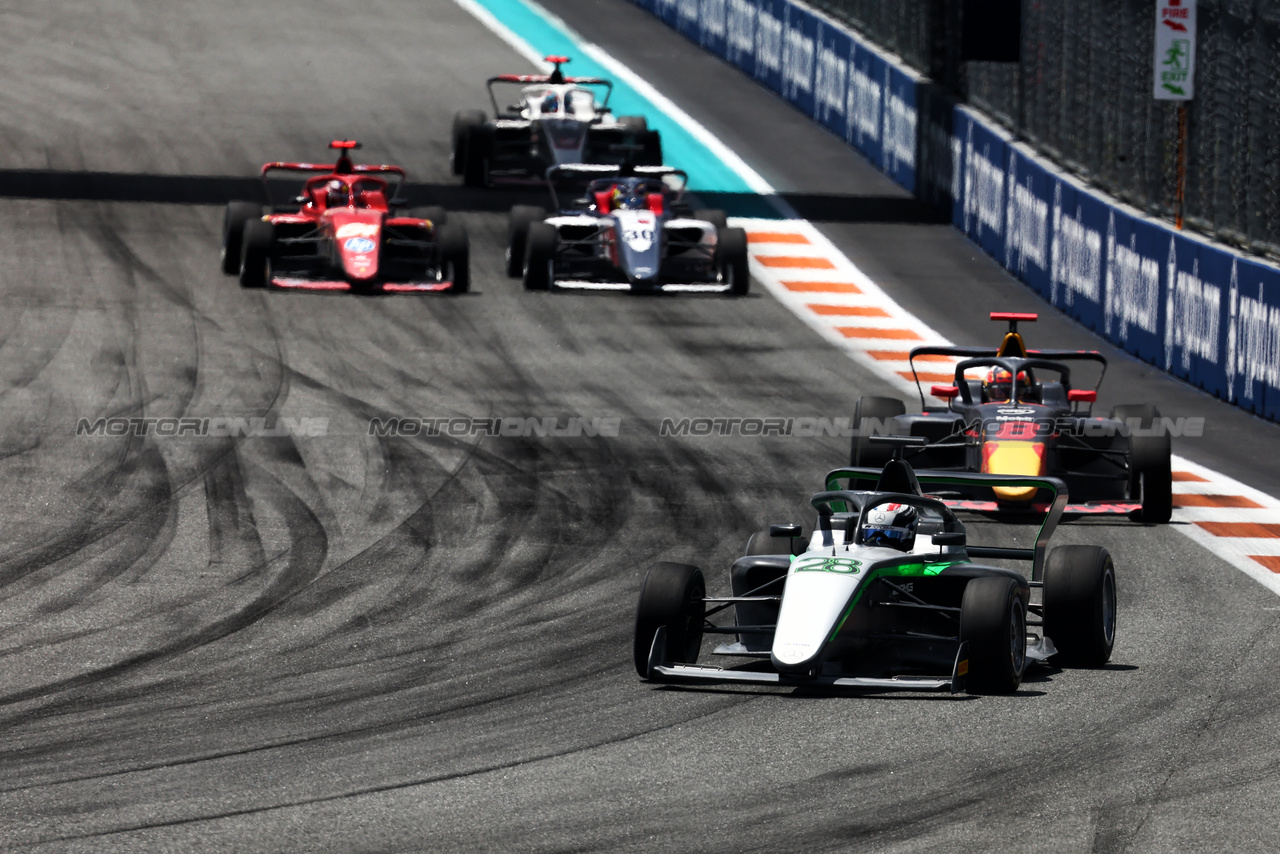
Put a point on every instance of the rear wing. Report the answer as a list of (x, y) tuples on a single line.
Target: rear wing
[(525, 79), (570, 175), (847, 478)]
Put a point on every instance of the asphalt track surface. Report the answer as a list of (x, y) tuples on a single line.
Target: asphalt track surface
[(360, 643)]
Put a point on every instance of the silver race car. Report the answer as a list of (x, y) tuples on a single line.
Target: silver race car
[(555, 120), (888, 594)]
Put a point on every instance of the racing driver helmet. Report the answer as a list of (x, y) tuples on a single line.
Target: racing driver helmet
[(891, 525), (626, 199), (998, 386), (337, 194)]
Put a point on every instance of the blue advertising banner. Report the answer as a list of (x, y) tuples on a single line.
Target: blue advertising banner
[(898, 158), (982, 186), (1078, 226), (831, 78), (1132, 285), (799, 49), (1253, 338), (1029, 197), (864, 100), (740, 34), (713, 25), (771, 17)]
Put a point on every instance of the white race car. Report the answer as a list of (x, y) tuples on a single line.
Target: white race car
[(556, 120), (885, 595), (629, 229)]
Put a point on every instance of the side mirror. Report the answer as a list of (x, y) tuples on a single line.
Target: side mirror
[(398, 202), (784, 530), (949, 538), (946, 392), (1082, 396)]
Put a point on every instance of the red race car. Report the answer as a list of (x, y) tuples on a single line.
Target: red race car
[(343, 233)]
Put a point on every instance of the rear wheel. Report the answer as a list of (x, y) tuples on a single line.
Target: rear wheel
[(233, 222), (521, 217), (993, 621), (255, 254), (1080, 604), (650, 148), (731, 258), (540, 256), (871, 416), (478, 145), (453, 257), (462, 124), (1150, 464), (672, 597)]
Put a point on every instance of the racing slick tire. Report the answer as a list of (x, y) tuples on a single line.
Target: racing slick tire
[(540, 256), (718, 218), (463, 122), (255, 253), (436, 214), (1080, 605), (993, 621), (731, 260), (878, 409), (672, 596), (478, 148), (651, 148), (1150, 465), (634, 124), (518, 222), (233, 221), (453, 257)]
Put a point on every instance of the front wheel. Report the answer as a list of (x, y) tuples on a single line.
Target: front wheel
[(671, 597), (234, 219), (540, 256), (1080, 604), (731, 258), (993, 621), (453, 261), (522, 216), (255, 254)]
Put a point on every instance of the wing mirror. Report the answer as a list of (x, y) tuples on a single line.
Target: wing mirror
[(784, 530), (949, 538), (398, 202)]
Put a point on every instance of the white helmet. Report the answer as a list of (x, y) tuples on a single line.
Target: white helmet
[(891, 525)]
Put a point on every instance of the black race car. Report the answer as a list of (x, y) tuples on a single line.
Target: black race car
[(1014, 411)]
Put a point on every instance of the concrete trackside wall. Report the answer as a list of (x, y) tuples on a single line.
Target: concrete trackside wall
[(1198, 310)]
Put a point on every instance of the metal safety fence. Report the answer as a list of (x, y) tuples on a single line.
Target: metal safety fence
[(1081, 95)]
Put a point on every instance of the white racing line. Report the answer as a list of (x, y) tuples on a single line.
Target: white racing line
[(810, 276)]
